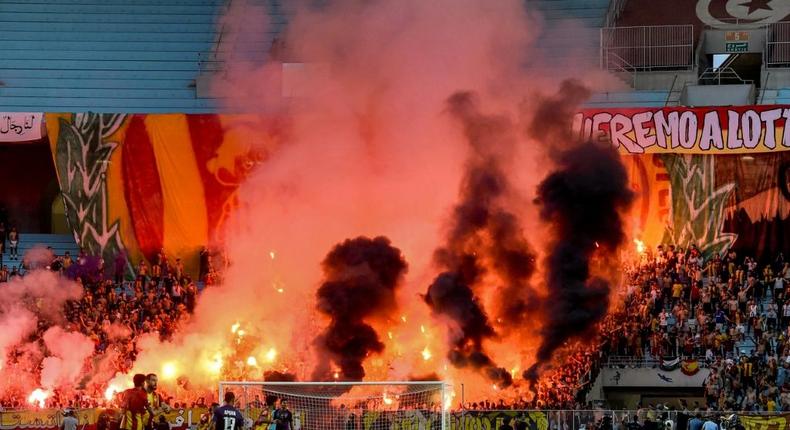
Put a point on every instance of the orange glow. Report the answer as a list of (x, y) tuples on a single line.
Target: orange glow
[(109, 393), (640, 246), (169, 370), (38, 397), (271, 355), (426, 354), (215, 365)]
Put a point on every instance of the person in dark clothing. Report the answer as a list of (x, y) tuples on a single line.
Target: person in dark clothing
[(283, 417), (162, 424), (634, 424), (227, 416), (506, 424), (204, 264)]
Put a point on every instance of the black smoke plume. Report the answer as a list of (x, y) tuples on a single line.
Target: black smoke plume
[(581, 201), (484, 237), (277, 376), (360, 278)]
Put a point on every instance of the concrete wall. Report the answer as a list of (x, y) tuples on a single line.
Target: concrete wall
[(664, 80), (718, 95), (651, 378)]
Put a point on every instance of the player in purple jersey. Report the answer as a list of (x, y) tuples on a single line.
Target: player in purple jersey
[(227, 417)]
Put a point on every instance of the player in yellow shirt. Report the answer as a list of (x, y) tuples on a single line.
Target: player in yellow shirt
[(155, 402)]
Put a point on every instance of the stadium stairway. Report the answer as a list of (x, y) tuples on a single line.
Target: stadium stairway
[(749, 343), (60, 243), (571, 29)]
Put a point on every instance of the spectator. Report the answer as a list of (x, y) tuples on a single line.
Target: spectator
[(13, 243)]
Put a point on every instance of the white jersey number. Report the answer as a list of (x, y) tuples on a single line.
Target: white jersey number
[(230, 423)]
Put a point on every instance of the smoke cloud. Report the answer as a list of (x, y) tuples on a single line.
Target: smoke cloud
[(30, 305), (482, 230), (386, 105), (360, 279), (67, 360), (582, 201)]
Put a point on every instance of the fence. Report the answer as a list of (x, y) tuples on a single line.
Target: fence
[(647, 48), (187, 419), (777, 45), (640, 362)]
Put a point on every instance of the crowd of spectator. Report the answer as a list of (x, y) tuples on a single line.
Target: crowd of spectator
[(115, 309), (730, 311)]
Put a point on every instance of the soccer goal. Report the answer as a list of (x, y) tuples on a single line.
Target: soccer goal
[(415, 405)]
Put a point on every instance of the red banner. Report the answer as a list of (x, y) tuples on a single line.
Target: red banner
[(705, 130)]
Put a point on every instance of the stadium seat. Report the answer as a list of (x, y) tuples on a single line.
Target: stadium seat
[(60, 243), (628, 99), (84, 55)]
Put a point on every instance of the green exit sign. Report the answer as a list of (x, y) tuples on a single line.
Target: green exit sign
[(736, 46)]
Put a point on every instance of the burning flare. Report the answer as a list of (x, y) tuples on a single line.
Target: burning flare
[(169, 370), (640, 246), (38, 397)]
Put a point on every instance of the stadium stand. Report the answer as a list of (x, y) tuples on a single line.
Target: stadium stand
[(105, 56), (148, 56), (60, 243), (556, 43)]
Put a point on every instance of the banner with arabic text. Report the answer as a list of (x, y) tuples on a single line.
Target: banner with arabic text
[(20, 126), (772, 422), (89, 419)]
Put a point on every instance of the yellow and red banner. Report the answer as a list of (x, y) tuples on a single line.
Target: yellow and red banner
[(137, 184), (142, 183), (685, 130), (52, 419), (189, 418)]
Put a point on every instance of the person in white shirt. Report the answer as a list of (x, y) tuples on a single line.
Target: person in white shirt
[(69, 420)]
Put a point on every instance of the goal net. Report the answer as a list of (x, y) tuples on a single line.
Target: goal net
[(345, 405)]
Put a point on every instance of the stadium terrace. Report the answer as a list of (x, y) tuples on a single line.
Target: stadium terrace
[(379, 215)]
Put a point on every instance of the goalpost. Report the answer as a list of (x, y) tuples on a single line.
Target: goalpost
[(419, 405)]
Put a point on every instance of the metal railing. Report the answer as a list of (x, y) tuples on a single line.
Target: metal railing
[(648, 48), (777, 45), (640, 362), (722, 76), (620, 65)]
